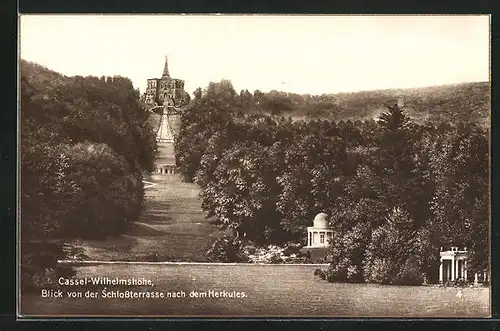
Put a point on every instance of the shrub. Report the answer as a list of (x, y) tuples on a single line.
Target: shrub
[(275, 258), (249, 249), (410, 273), (347, 252), (292, 248), (320, 274), (393, 254), (39, 266), (226, 249), (337, 272), (354, 274)]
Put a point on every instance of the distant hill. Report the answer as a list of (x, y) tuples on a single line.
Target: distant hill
[(467, 102), (455, 103), (40, 77), (449, 103)]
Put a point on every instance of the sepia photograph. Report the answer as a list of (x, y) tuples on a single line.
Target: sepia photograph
[(279, 166)]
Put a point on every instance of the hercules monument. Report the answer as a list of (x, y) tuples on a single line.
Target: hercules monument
[(166, 97)]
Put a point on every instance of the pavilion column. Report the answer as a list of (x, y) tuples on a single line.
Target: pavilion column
[(441, 271), (452, 268), (465, 270)]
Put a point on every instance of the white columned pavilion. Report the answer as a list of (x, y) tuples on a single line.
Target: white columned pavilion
[(453, 264), (320, 234), (164, 169)]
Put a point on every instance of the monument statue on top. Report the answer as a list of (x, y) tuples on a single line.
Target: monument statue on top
[(167, 92)]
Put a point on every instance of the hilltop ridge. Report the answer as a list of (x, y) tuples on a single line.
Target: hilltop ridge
[(464, 102)]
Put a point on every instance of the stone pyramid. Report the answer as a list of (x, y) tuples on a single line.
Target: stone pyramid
[(165, 131)]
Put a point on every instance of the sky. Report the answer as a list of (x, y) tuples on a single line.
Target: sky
[(297, 54)]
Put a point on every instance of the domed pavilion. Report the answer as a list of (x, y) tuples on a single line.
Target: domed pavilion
[(320, 234), (318, 238)]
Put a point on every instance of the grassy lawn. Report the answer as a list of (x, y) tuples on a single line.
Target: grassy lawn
[(172, 226), (271, 290)]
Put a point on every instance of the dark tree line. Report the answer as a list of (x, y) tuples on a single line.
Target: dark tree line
[(450, 103), (396, 190), (84, 145)]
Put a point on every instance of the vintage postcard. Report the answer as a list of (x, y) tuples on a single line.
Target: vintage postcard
[(229, 166)]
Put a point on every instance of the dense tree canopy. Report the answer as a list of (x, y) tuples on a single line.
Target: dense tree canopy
[(396, 189), (460, 103), (85, 144)]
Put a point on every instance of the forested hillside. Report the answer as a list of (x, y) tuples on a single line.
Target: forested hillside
[(84, 144), (396, 190), (468, 102)]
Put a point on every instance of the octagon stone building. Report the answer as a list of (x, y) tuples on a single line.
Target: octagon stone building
[(165, 90)]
